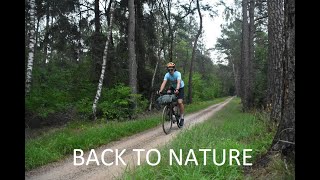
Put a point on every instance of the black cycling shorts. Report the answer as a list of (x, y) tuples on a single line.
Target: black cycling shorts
[(180, 94)]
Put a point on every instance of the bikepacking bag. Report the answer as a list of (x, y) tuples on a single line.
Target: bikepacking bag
[(166, 99)]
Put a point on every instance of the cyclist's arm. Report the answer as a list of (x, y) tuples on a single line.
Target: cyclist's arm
[(163, 85), (178, 81), (178, 84)]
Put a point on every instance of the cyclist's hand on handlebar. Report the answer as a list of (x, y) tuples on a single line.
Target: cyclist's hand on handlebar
[(159, 92), (176, 91)]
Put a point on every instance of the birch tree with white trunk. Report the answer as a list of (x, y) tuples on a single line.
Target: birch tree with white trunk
[(105, 53), (31, 47)]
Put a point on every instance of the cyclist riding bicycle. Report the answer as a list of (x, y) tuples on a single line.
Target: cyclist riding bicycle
[(177, 85)]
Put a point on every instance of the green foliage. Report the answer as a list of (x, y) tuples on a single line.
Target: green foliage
[(204, 89), (117, 103), (142, 103), (84, 106), (47, 95), (59, 86), (260, 82), (197, 87)]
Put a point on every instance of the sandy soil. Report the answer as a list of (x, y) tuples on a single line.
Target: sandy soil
[(150, 139)]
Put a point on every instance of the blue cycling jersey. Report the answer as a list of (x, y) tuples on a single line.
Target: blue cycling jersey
[(173, 79)]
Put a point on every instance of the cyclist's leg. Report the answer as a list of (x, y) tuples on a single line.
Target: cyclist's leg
[(181, 105)]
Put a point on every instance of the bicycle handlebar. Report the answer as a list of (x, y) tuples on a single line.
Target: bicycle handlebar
[(166, 91)]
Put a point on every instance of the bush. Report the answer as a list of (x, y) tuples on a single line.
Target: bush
[(84, 107), (117, 103), (60, 86)]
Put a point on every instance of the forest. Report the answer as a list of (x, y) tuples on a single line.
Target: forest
[(77, 47), (94, 60)]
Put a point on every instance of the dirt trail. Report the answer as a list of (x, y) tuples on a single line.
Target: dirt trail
[(150, 139)]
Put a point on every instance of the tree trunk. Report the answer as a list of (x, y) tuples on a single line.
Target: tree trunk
[(275, 70), (97, 43), (37, 37), (154, 74), (245, 55), (49, 46), (185, 62), (284, 139), (163, 35), (97, 16), (193, 55), (236, 79), (251, 72), (132, 53), (105, 53), (110, 60), (171, 44), (46, 36), (31, 48), (168, 18), (160, 46), (79, 48), (26, 33), (140, 48), (248, 70), (152, 84)]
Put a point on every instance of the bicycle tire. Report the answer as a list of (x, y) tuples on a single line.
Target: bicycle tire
[(166, 119)]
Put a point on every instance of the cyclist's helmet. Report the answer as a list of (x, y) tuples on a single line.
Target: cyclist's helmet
[(171, 65)]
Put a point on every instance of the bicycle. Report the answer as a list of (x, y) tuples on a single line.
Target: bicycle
[(170, 112)]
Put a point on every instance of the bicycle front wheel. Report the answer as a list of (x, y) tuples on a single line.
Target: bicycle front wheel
[(167, 119)]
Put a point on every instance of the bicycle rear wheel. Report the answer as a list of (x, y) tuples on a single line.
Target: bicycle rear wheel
[(167, 119)]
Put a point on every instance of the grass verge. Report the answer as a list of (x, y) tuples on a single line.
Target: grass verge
[(227, 129)]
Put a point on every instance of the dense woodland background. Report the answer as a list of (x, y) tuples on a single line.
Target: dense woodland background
[(89, 59)]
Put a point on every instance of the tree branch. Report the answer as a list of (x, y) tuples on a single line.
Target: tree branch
[(261, 18), (84, 11), (188, 12), (89, 8)]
